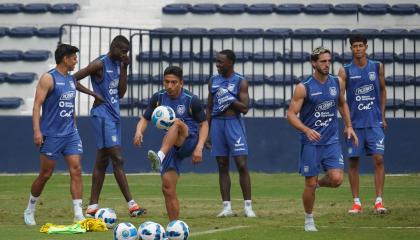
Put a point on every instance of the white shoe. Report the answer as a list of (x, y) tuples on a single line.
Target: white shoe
[(249, 213), (78, 218), (226, 213), (310, 227), (29, 218), (154, 161)]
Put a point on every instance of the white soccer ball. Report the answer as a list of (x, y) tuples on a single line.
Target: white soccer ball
[(163, 117), (151, 231), (177, 230), (108, 216), (125, 231)]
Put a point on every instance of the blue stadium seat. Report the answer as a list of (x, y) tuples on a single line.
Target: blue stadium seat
[(346, 8), (10, 102), (394, 104), (10, 55), (3, 77), (336, 33), (190, 32), (204, 8), (233, 8), (278, 32), (36, 8), (260, 8), (414, 33), (304, 77), (218, 33), (139, 79), (151, 56), (375, 8), (196, 79), (346, 57), (243, 56), (394, 33), (158, 79), (289, 8), (335, 56), (307, 33), (21, 77), (416, 81), (412, 104), (143, 103), (282, 79), (205, 56), (64, 8), (36, 55), (21, 32), (176, 8), (256, 79), (266, 56), (408, 57), (399, 80), (3, 31), (10, 8), (269, 103), (129, 103), (403, 9), (164, 32), (177, 56), (287, 103), (296, 57), (318, 8), (48, 32), (250, 32), (384, 57), (367, 32)]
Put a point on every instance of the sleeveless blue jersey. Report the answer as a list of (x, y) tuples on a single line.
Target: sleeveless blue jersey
[(363, 94), (181, 106), (108, 89), (319, 109), (57, 118), (232, 84)]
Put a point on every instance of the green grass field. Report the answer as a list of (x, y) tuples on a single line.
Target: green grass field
[(276, 201)]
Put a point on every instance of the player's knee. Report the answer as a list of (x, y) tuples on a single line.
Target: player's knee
[(378, 161), (242, 168), (168, 191), (223, 168), (76, 170), (336, 181), (117, 161), (45, 175)]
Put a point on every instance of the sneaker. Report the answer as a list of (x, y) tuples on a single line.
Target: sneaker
[(310, 227), (78, 218), (154, 160), (355, 209), (380, 209), (29, 218), (136, 210), (226, 213), (249, 213), (90, 213)]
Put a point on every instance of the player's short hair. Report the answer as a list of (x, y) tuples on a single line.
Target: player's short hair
[(119, 40), (64, 50), (175, 70), (357, 38), (229, 54), (318, 51)]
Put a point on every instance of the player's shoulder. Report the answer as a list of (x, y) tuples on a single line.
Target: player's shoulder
[(306, 81), (189, 94)]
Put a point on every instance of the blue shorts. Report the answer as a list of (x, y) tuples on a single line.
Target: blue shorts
[(174, 158), (371, 141), (228, 137), (107, 132), (313, 157), (53, 147)]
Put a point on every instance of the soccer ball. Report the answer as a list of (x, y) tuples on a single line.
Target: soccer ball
[(177, 230), (151, 231), (163, 117), (125, 231), (108, 216)]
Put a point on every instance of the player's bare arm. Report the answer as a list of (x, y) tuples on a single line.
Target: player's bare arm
[(140, 128), (44, 86), (382, 88), (197, 155), (93, 69), (208, 115), (241, 105), (122, 84), (345, 114), (294, 109)]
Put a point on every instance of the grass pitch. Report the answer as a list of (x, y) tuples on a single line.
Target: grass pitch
[(276, 201)]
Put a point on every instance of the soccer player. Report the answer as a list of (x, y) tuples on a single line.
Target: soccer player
[(316, 100), (186, 137), (108, 75), (228, 100), (55, 132), (366, 96)]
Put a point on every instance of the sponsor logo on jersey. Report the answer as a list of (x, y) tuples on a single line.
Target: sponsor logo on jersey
[(231, 87), (325, 105), (67, 95), (114, 83), (180, 109), (333, 91), (364, 89), (372, 76), (315, 94)]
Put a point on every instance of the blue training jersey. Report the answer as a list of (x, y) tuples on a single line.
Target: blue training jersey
[(319, 109), (363, 94), (57, 118), (107, 88), (232, 84)]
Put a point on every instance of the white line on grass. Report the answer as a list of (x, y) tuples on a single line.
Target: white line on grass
[(348, 227), (217, 230), (83, 174)]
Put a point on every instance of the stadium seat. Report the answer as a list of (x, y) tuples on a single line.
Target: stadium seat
[(260, 8), (190, 32), (336, 33), (408, 57), (158, 79), (266, 56), (403, 9), (278, 32), (3, 77), (346, 57), (289, 8), (399, 80), (10, 102), (10, 55), (304, 77), (269, 103), (205, 56), (3, 31), (243, 56), (10, 8), (375, 8), (36, 55), (36, 8), (412, 104), (346, 8), (153, 56), (393, 104), (48, 32), (384, 57), (64, 8), (250, 32), (367, 32), (414, 33), (176, 8), (282, 79), (177, 56), (307, 33), (233, 8), (129, 103), (196, 79), (143, 103), (318, 8), (416, 81), (164, 32), (287, 103), (139, 79), (218, 33), (393, 33), (204, 8), (296, 57), (256, 79), (21, 32), (21, 77)]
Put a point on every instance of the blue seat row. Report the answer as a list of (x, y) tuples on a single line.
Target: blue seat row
[(18, 77), (27, 32), (29, 56), (10, 102), (37, 8), (402, 80), (287, 9)]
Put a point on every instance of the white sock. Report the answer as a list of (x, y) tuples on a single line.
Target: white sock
[(131, 203), (77, 206), (32, 203), (161, 156), (226, 205), (93, 206), (378, 200), (248, 204), (309, 217), (357, 201)]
